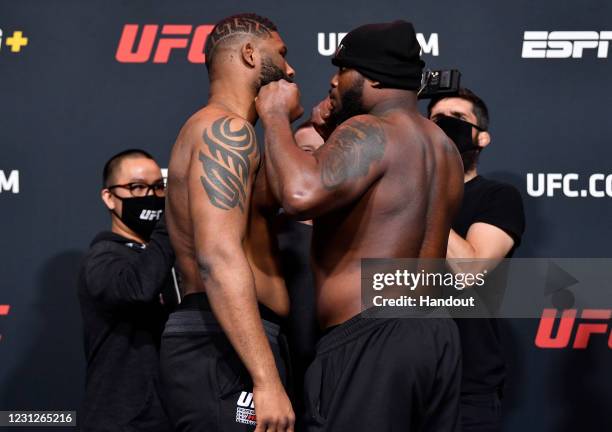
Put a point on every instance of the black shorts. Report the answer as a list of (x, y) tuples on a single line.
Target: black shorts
[(205, 386), (385, 375), (481, 412)]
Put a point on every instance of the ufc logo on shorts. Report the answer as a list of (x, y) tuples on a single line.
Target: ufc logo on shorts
[(133, 48), (150, 215), (565, 44), (245, 410), (246, 400), (593, 322)]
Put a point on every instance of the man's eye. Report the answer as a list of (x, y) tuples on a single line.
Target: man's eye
[(138, 187)]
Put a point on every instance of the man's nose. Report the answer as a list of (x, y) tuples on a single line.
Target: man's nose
[(334, 81), (290, 71)]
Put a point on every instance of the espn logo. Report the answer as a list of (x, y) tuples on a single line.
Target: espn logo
[(565, 44), (159, 45), (593, 322)]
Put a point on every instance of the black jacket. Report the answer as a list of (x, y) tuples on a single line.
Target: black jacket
[(119, 286)]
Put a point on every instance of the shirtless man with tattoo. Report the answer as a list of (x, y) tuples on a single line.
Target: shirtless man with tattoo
[(221, 356), (385, 184)]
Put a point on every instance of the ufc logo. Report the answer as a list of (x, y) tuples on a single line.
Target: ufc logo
[(327, 44), (171, 37), (4, 310), (246, 400), (9, 183), (565, 44), (150, 215), (593, 321)]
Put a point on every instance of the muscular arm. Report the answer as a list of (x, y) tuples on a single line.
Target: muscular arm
[(483, 242), (220, 182), (309, 185)]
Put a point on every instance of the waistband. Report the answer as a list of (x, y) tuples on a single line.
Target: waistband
[(199, 301), (194, 315), (342, 333)]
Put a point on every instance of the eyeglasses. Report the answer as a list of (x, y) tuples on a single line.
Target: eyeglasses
[(142, 189)]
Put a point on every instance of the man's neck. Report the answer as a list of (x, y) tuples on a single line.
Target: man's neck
[(394, 100), (469, 175), (237, 99)]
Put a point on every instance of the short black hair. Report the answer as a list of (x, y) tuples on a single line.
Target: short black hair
[(113, 163), (479, 107), (236, 25)]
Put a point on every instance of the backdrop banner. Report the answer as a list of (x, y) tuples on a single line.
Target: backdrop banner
[(82, 80)]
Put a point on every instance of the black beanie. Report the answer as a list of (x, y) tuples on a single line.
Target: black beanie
[(388, 53)]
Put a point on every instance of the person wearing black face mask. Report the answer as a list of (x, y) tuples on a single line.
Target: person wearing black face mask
[(126, 290), (489, 225)]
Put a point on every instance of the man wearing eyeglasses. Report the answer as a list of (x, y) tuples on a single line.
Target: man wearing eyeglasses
[(125, 290)]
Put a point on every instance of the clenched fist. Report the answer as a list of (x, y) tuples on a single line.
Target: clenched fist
[(279, 97), (320, 118)]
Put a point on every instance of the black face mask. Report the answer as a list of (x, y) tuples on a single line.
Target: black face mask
[(140, 214), (459, 131)]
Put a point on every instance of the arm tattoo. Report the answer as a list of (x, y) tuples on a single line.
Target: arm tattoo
[(227, 169), (354, 149)]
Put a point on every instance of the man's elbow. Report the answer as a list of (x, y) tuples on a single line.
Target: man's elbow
[(217, 260), (298, 204)]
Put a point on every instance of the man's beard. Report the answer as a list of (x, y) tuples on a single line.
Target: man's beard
[(470, 159), (351, 104), (270, 73)]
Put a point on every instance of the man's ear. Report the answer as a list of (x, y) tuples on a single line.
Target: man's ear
[(484, 138), (248, 54), (375, 84), (106, 196)]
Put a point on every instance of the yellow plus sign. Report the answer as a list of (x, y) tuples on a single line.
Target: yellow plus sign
[(17, 41)]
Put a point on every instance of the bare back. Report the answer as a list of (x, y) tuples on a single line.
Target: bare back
[(405, 213), (226, 208)]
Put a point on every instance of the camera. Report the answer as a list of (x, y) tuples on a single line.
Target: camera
[(439, 83)]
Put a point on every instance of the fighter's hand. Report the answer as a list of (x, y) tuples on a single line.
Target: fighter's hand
[(320, 118), (273, 409), (279, 97)]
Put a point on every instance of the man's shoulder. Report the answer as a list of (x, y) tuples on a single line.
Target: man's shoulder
[(215, 117), (497, 188), (363, 128), (217, 123), (108, 241)]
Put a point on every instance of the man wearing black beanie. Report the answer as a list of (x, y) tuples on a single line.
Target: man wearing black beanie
[(386, 184)]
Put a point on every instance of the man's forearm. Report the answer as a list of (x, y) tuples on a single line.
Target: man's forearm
[(458, 247), (231, 293), (289, 169)]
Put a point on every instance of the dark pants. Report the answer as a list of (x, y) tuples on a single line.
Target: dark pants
[(385, 375), (205, 386), (481, 413)]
